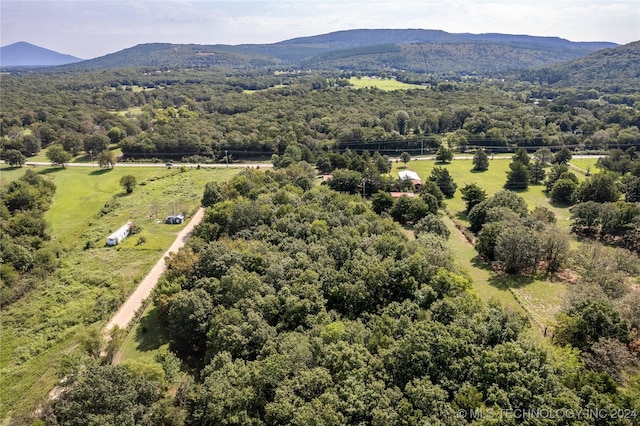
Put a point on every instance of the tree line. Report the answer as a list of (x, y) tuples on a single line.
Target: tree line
[(26, 251)]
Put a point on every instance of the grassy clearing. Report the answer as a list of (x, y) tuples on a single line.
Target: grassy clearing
[(543, 299), (90, 283), (91, 188), (585, 164), (382, 84), (146, 339), (9, 174), (481, 273), (536, 296), (491, 181)]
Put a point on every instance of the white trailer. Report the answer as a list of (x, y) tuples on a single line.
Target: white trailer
[(119, 235)]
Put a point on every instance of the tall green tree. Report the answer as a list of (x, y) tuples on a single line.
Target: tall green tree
[(13, 157), (544, 156), (600, 188), (563, 190), (441, 177), (444, 155), (58, 156), (518, 176), (212, 194), (402, 122), (563, 156), (107, 395), (405, 157), (480, 160), (589, 320), (96, 143), (522, 156), (518, 249), (536, 172), (472, 195)]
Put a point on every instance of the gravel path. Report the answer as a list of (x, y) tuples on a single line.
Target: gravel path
[(127, 311)]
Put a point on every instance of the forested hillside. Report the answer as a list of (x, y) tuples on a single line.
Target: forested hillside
[(620, 66), (416, 50)]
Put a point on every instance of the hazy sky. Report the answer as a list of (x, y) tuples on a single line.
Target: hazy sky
[(91, 28)]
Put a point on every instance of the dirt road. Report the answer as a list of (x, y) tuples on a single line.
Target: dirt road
[(128, 310)]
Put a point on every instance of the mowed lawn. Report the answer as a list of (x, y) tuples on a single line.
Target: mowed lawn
[(92, 279), (491, 180)]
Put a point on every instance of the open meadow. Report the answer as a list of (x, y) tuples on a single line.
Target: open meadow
[(92, 280), (382, 84)]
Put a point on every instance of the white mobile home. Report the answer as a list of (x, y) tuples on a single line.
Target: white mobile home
[(119, 235)]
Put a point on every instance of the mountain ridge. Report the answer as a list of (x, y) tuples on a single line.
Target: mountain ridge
[(414, 50)]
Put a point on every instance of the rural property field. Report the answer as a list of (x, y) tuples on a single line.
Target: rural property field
[(539, 297), (92, 280)]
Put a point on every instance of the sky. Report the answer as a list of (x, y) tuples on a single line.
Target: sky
[(92, 28)]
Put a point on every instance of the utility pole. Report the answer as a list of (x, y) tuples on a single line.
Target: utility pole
[(226, 157)]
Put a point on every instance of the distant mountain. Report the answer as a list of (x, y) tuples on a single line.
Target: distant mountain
[(179, 56), (23, 54), (424, 51), (617, 66)]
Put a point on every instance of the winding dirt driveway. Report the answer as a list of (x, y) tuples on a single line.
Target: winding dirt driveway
[(127, 311)]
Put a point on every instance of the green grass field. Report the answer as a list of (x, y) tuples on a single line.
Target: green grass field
[(481, 274), (92, 280), (585, 164), (146, 339), (491, 181), (382, 84)]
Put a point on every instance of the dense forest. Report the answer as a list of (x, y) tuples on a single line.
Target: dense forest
[(200, 115), (295, 304)]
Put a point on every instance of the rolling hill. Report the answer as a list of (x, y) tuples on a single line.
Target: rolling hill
[(617, 66), (23, 54), (424, 51)]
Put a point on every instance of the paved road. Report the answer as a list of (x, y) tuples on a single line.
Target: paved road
[(175, 165), (497, 157), (128, 310)]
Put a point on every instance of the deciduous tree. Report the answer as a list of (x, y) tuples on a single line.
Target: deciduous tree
[(58, 156), (472, 195), (13, 157), (441, 177), (128, 182), (106, 159), (444, 155)]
